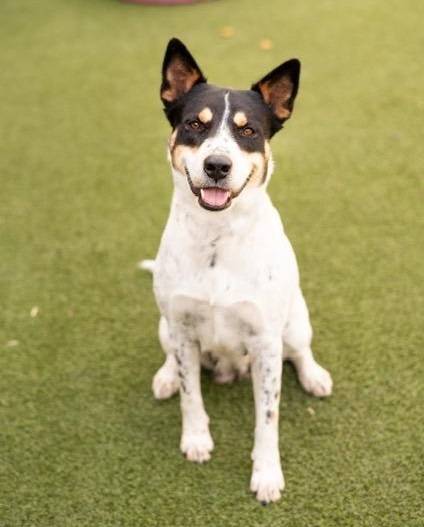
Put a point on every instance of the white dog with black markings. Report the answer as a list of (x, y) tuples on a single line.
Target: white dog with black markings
[(225, 278)]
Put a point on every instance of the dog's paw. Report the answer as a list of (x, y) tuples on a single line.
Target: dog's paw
[(267, 482), (165, 383), (197, 446), (316, 380)]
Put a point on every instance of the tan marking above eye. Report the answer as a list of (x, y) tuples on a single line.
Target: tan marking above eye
[(240, 119), (205, 116)]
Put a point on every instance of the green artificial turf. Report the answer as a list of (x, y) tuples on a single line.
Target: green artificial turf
[(85, 190)]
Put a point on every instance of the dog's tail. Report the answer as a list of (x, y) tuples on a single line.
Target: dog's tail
[(147, 265)]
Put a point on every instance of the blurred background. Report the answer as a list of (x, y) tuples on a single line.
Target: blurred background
[(85, 190)]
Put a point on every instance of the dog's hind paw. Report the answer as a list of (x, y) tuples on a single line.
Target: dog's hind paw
[(165, 383), (267, 483), (316, 380)]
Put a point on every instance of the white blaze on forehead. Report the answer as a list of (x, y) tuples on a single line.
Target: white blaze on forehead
[(223, 125), (222, 141)]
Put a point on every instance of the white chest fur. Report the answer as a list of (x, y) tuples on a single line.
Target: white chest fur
[(232, 274)]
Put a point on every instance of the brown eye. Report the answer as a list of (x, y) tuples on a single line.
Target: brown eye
[(195, 125), (247, 131)]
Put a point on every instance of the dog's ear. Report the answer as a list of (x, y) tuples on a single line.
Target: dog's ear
[(179, 72), (279, 88)]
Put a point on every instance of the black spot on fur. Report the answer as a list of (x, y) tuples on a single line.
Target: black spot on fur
[(212, 261)]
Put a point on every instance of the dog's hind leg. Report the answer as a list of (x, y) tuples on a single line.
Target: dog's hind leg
[(297, 338), (166, 382)]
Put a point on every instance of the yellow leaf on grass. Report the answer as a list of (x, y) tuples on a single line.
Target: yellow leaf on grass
[(227, 32)]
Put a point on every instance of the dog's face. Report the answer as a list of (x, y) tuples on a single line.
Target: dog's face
[(220, 138)]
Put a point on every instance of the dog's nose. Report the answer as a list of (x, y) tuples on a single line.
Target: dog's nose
[(217, 167)]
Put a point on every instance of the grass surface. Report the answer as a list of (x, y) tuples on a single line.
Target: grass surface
[(85, 191)]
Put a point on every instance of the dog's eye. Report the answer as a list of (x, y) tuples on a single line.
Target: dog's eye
[(247, 131), (195, 125)]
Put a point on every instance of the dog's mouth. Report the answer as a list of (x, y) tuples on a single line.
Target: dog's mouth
[(214, 198)]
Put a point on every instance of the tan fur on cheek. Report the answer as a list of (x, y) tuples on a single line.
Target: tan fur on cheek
[(259, 163), (178, 158), (267, 150), (257, 176), (172, 139)]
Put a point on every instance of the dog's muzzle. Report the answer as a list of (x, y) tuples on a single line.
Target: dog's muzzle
[(217, 168), (211, 197), (215, 196)]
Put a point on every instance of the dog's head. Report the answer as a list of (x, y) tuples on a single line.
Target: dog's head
[(220, 138)]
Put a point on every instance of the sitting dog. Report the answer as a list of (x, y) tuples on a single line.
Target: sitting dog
[(225, 278)]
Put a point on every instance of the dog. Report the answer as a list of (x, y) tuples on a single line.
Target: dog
[(226, 279)]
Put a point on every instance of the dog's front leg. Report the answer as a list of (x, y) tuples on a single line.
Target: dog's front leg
[(267, 477), (196, 441)]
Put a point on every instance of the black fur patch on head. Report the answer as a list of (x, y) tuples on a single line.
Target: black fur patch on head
[(267, 105), (191, 131)]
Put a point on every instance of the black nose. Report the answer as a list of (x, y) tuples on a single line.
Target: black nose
[(217, 167)]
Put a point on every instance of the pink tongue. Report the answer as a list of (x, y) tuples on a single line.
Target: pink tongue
[(215, 197)]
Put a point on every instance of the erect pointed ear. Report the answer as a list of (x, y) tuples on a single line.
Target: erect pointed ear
[(279, 88), (179, 72)]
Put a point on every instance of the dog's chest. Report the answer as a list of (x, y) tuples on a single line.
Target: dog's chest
[(221, 266), (226, 284)]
